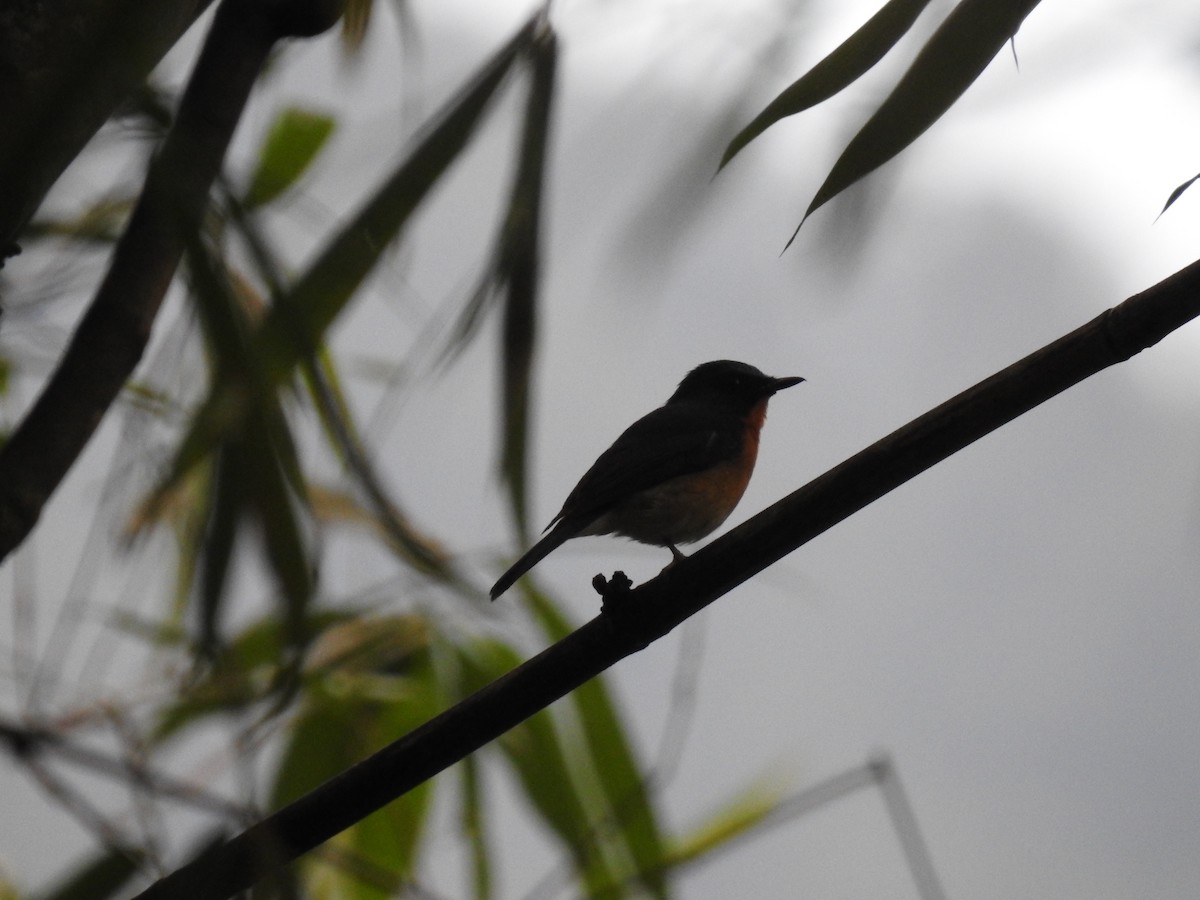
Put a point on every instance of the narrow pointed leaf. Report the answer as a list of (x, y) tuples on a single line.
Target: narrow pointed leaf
[(1178, 192), (631, 809), (259, 471), (852, 58), (956, 54), (298, 320), (543, 764), (105, 876), (473, 821), (296, 137), (405, 540), (217, 542), (350, 713), (295, 326), (738, 817), (355, 20), (521, 263)]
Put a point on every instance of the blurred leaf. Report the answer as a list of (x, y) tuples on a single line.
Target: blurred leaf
[(404, 539), (385, 645), (296, 137), (355, 20), (474, 829), (227, 490), (736, 819), (348, 714), (297, 321), (947, 65), (854, 57), (418, 549), (1178, 192), (513, 273), (256, 473), (244, 672), (520, 262), (104, 876), (543, 765), (616, 768), (101, 222)]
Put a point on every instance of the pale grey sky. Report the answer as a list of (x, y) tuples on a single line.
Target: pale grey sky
[(1019, 627)]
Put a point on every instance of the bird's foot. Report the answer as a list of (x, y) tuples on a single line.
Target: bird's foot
[(614, 594)]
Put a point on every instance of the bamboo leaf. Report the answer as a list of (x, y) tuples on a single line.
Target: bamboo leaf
[(258, 472), (293, 142), (543, 764), (296, 323), (852, 58), (299, 319), (521, 264), (406, 540), (1178, 192), (474, 828), (629, 804), (366, 699), (104, 876), (739, 816), (947, 65), (355, 20)]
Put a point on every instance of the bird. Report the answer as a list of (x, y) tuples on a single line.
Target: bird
[(675, 474)]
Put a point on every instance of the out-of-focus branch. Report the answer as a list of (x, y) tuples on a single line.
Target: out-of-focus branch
[(65, 65), (26, 743), (113, 334), (635, 618)]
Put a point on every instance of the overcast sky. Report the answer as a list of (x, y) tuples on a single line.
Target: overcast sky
[(1019, 627)]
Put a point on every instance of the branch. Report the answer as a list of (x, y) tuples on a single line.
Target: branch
[(27, 743), (656, 607), (113, 334), (65, 65)]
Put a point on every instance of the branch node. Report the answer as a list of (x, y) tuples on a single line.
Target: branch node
[(614, 595)]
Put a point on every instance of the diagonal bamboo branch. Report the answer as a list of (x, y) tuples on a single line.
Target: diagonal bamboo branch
[(114, 332), (656, 607)]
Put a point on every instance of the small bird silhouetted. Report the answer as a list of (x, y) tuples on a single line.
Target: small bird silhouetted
[(675, 474)]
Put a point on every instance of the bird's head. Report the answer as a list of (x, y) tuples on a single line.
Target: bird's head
[(730, 383)]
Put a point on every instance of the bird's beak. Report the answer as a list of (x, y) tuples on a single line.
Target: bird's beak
[(778, 384)]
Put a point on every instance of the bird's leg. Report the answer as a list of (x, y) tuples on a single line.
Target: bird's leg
[(676, 556)]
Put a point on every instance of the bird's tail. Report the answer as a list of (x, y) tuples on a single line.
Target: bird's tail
[(532, 557)]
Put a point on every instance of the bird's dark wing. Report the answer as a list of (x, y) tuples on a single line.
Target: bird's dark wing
[(669, 442)]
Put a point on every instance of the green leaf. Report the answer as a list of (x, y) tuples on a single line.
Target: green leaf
[(297, 321), (543, 763), (257, 473), (947, 65), (296, 137), (474, 829), (380, 510), (245, 672), (104, 876), (629, 805), (853, 57), (738, 817), (519, 267), (349, 713)]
